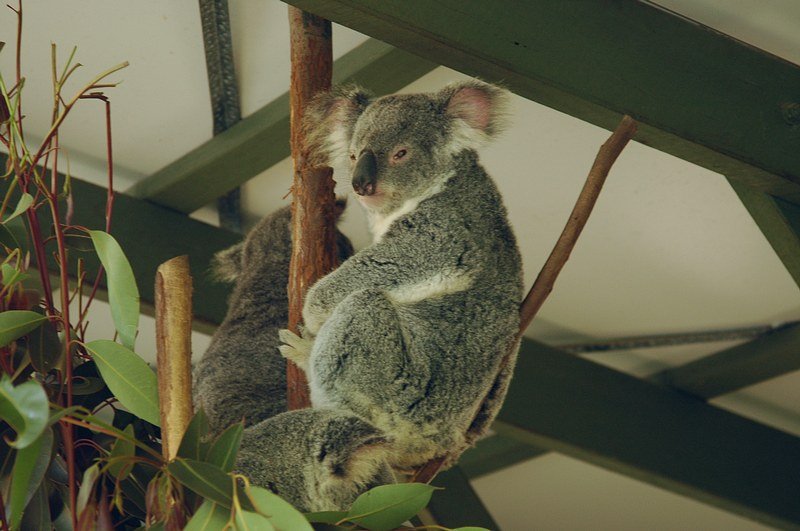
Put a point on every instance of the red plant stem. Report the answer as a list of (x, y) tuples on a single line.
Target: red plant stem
[(19, 67), (110, 156), (69, 448), (3, 518)]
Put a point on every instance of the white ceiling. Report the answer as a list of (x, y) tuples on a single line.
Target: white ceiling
[(669, 248)]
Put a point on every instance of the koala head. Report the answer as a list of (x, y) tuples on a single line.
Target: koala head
[(400, 147)]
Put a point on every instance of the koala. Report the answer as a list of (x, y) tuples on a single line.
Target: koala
[(317, 460), (409, 333), (242, 375)]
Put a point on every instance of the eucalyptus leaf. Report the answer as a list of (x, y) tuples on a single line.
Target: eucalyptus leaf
[(192, 444), (123, 295), (282, 515), (128, 377), (37, 512), (12, 275), (24, 203), (16, 323), (30, 466), (209, 517), (223, 451), (470, 528), (7, 238), (249, 521), (44, 347), (90, 476), (205, 479), (388, 506), (25, 408), (121, 449)]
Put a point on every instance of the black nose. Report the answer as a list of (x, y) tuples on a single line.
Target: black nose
[(365, 173)]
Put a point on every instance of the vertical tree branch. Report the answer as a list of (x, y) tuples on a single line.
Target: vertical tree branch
[(173, 299), (313, 236)]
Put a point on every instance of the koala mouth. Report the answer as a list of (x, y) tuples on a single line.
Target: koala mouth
[(373, 200)]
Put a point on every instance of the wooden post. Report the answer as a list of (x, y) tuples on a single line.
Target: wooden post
[(173, 297), (313, 235)]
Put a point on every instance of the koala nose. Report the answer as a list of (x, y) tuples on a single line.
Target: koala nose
[(365, 173)]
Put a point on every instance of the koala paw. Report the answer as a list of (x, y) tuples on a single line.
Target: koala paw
[(296, 348)]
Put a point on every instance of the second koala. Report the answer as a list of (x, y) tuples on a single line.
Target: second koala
[(409, 332)]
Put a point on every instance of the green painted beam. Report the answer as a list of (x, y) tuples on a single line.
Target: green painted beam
[(771, 355), (696, 93), (458, 505), (495, 453), (262, 139), (150, 234), (652, 433), (779, 221)]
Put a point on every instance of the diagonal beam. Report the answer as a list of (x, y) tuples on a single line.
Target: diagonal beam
[(698, 94), (458, 504), (771, 355), (150, 234), (262, 139), (654, 434), (779, 221), (496, 453)]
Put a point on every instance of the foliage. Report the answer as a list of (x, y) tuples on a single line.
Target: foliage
[(79, 419)]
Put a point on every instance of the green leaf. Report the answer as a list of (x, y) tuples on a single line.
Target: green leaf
[(44, 347), (223, 451), (25, 408), (87, 486), (12, 275), (16, 323), (282, 515), (470, 528), (209, 517), (123, 295), (326, 517), (121, 449), (207, 480), (37, 512), (128, 377), (248, 521), (24, 203), (192, 444), (7, 238), (388, 506), (30, 466)]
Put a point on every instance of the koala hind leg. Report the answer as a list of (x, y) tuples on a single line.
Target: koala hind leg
[(363, 361)]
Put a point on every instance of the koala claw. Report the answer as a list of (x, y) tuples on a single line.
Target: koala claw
[(296, 348)]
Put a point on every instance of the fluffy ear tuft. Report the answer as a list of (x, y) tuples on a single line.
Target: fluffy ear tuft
[(478, 111), (227, 264), (329, 121)]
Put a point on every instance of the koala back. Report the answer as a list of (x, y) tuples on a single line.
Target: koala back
[(242, 375)]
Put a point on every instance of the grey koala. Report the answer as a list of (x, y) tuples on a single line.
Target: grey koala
[(409, 332), (317, 460)]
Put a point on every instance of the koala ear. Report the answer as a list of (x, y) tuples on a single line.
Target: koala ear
[(227, 264), (329, 122), (477, 110)]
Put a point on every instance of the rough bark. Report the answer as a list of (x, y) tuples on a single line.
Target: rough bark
[(313, 237)]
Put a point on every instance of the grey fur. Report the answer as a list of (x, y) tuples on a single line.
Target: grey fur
[(242, 375), (411, 330), (318, 460)]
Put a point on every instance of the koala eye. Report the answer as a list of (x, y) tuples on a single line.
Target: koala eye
[(400, 154)]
